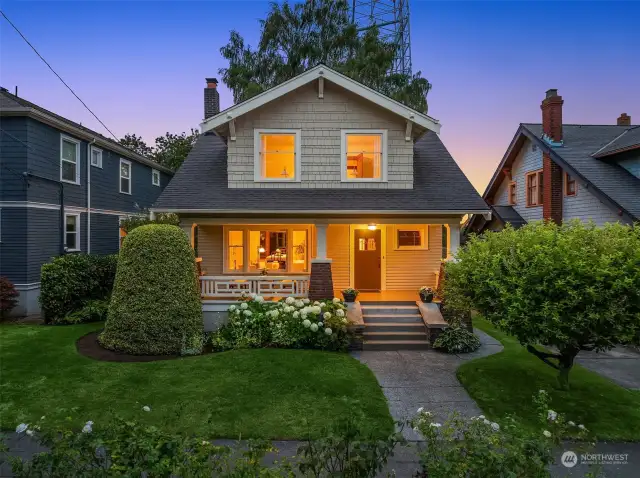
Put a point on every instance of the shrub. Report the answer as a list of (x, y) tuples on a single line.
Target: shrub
[(130, 223), (289, 323), (69, 281), (155, 306), (93, 311), (457, 339), (8, 297), (571, 287)]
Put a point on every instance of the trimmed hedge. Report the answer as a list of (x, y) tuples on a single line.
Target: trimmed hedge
[(93, 311), (155, 306), (69, 281)]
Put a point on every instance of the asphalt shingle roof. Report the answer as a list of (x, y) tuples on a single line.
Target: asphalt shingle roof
[(509, 215), (201, 183), (580, 142), (628, 139)]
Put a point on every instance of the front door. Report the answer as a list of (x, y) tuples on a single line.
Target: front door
[(367, 269)]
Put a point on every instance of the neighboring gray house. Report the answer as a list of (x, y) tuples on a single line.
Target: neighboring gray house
[(42, 155), (561, 172)]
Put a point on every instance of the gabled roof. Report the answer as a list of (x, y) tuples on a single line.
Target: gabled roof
[(627, 140), (320, 71), (507, 214), (12, 105), (201, 186)]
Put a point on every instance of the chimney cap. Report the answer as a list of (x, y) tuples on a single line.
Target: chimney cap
[(552, 92), (211, 80)]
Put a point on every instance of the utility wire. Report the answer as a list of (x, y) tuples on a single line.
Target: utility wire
[(59, 77)]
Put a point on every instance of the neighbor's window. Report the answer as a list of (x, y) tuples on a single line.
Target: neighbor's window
[(69, 160), (155, 177), (569, 185), (72, 232), (363, 155), (411, 237), (512, 192), (125, 176), (277, 155), (96, 157), (534, 188)]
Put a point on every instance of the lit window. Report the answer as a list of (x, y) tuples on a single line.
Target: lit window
[(299, 249), (411, 237), (69, 160), (268, 250), (125, 176), (534, 188), (235, 251), (363, 155), (155, 177), (277, 155), (96, 157), (569, 185), (72, 232), (512, 193)]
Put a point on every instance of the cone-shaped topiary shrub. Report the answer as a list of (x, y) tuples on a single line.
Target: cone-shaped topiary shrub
[(155, 306)]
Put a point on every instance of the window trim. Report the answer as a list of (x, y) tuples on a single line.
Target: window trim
[(566, 185), (69, 139), (77, 232), (153, 172), (343, 155), (257, 172), (513, 198), (411, 227), (98, 150), (538, 198), (120, 178)]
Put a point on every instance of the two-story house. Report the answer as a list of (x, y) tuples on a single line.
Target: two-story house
[(63, 189), (316, 185), (559, 172)]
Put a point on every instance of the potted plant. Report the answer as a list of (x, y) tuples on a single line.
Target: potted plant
[(426, 294), (350, 294)]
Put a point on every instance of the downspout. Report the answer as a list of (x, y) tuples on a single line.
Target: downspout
[(91, 143), (60, 185)]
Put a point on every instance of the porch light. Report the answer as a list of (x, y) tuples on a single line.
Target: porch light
[(372, 227)]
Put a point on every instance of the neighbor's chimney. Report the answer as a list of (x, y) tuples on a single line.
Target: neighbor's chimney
[(551, 172), (624, 120), (211, 98)]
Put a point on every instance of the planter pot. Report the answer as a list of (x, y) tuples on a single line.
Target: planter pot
[(349, 297), (426, 297)]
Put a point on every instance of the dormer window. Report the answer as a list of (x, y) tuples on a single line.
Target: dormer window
[(364, 155), (277, 155)]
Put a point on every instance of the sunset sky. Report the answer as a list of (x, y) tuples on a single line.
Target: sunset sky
[(141, 65)]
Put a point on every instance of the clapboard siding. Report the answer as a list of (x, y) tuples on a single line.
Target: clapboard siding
[(105, 234), (587, 207), (414, 268), (210, 249), (13, 154), (338, 252), (13, 244)]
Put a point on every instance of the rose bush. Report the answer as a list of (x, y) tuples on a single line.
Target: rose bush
[(288, 323)]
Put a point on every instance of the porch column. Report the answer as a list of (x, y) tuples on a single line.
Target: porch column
[(321, 280), (454, 240)]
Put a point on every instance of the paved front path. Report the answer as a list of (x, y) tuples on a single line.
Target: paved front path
[(622, 365), (425, 378)]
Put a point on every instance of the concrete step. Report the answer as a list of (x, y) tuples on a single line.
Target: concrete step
[(390, 318), (394, 327), (389, 310), (396, 345), (369, 303), (394, 336)]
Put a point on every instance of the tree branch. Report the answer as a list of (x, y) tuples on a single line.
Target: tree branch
[(544, 356)]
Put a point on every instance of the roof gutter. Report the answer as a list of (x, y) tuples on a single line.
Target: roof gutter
[(324, 212)]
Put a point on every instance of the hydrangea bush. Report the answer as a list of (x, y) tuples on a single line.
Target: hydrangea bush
[(289, 323)]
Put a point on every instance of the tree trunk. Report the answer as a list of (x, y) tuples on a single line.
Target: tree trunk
[(565, 363)]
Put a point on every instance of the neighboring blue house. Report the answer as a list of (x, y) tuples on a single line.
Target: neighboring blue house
[(43, 155)]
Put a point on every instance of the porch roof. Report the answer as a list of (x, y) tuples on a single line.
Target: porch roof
[(440, 187)]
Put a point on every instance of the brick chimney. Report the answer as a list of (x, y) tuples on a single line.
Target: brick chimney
[(624, 120), (552, 173), (211, 98)]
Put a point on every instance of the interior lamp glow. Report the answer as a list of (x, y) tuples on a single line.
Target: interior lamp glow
[(261, 250), (372, 227)]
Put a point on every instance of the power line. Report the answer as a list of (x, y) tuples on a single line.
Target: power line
[(59, 77)]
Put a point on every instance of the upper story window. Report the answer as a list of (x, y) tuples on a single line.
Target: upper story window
[(72, 232), (364, 155), (512, 192), (96, 157), (125, 176), (69, 160), (277, 155), (534, 188), (155, 177), (570, 188)]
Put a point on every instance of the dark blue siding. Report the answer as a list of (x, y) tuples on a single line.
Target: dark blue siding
[(13, 158), (43, 228), (105, 234), (13, 244)]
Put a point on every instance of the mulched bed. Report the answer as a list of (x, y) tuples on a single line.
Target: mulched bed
[(89, 346)]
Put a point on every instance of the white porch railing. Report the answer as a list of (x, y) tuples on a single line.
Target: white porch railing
[(267, 286)]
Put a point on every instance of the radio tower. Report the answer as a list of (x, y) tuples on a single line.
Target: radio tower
[(392, 19)]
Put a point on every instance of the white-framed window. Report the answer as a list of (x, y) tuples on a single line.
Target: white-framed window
[(411, 237), (125, 176), (363, 155), (155, 177), (69, 160), (96, 157), (276, 155), (72, 231)]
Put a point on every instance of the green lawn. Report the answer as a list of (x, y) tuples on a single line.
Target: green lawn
[(261, 393), (504, 384)]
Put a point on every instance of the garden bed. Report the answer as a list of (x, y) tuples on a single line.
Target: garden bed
[(89, 346)]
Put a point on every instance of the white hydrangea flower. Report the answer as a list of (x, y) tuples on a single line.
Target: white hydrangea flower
[(42, 417), (146, 408), (205, 442), (275, 314), (328, 331), (88, 427), (259, 299), (551, 415), (486, 422), (232, 308), (573, 424), (314, 327), (435, 425), (247, 313), (30, 433), (244, 306), (290, 300), (306, 323), (340, 313), (22, 428), (582, 427), (305, 301), (299, 304), (303, 315), (316, 303), (320, 324), (481, 417), (495, 426), (253, 295), (547, 433), (327, 315), (420, 410), (296, 314), (344, 320), (336, 300), (317, 310)]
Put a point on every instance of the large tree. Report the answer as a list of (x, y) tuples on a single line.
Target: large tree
[(296, 37), (572, 287), (170, 150)]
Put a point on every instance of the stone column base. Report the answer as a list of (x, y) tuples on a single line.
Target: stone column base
[(321, 280)]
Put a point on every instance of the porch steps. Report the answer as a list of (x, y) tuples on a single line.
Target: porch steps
[(393, 325)]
